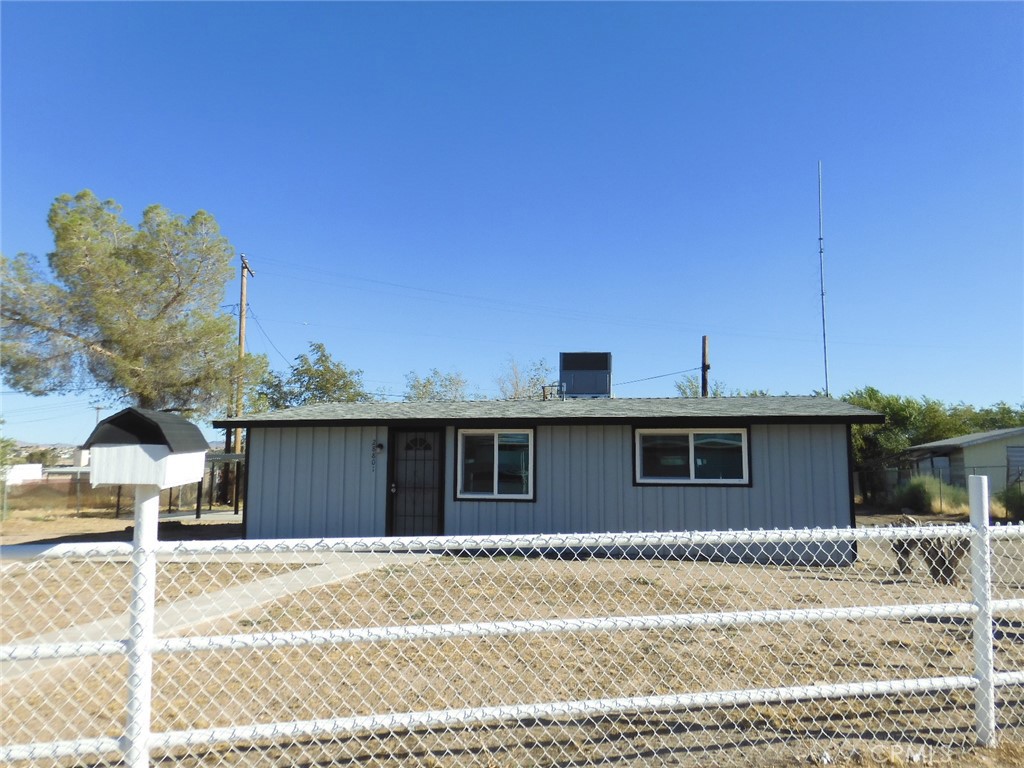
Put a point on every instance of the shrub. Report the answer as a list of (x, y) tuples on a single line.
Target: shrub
[(1012, 497), (947, 498), (929, 495), (913, 496)]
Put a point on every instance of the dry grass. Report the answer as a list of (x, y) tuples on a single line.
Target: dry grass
[(85, 698), (84, 591), (38, 523), (220, 688)]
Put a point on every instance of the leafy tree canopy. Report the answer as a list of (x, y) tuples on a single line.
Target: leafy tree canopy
[(7, 457), (912, 421), (518, 382), (435, 386), (315, 377), (45, 456), (690, 387), (134, 311), (908, 420)]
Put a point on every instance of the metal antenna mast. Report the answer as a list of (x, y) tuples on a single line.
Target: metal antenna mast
[(821, 272)]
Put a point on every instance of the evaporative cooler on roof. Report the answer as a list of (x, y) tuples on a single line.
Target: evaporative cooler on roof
[(585, 374)]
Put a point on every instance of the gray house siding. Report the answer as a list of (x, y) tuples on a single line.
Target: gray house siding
[(325, 482), (314, 482), (584, 483)]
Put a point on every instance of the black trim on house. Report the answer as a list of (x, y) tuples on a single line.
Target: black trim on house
[(850, 469), (245, 507), (456, 499), (749, 482), (523, 423)]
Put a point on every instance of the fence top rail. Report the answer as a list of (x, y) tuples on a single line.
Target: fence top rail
[(107, 549), (528, 543), (504, 543), (1006, 530)]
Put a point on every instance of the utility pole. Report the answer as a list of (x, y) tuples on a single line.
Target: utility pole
[(705, 366), (246, 270)]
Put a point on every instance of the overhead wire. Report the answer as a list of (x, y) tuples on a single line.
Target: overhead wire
[(659, 376), (438, 295), (266, 336), (49, 407)]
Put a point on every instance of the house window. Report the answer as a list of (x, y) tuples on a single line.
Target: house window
[(495, 464), (692, 456)]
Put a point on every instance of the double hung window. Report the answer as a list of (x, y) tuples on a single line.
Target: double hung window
[(692, 456), (495, 464)]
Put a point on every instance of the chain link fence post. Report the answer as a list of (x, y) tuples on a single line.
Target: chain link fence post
[(142, 611), (981, 592)]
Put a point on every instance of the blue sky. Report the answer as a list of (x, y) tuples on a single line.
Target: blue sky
[(424, 185)]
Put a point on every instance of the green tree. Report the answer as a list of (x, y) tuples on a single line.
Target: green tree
[(517, 382), (690, 387), (7, 459), (875, 445), (911, 421), (435, 386), (45, 456), (999, 416), (134, 311), (315, 377)]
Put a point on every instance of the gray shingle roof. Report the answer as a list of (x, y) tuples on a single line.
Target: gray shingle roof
[(965, 441), (788, 409)]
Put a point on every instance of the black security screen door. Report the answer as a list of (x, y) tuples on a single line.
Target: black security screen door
[(414, 504)]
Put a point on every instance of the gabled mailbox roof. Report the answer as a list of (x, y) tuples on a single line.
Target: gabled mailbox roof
[(138, 426)]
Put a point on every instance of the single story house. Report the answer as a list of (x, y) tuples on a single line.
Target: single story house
[(549, 466), (999, 454)]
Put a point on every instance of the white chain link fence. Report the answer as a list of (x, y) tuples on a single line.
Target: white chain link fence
[(647, 649)]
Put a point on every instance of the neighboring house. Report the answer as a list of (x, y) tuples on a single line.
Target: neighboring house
[(16, 474), (549, 466), (998, 454)]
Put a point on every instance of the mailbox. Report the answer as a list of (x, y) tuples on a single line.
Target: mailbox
[(143, 447)]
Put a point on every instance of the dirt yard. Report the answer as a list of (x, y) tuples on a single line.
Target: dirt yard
[(30, 526), (218, 688)]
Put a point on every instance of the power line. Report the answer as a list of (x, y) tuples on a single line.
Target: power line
[(445, 297), (267, 336), (48, 407), (659, 376)]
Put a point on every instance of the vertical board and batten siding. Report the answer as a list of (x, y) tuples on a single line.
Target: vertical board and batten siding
[(312, 482), (583, 483), (324, 482)]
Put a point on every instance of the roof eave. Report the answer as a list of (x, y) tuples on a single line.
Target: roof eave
[(509, 421)]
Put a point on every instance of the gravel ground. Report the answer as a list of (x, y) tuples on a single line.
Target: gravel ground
[(217, 688)]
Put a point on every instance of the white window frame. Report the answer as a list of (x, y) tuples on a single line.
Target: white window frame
[(640, 479), (494, 495)]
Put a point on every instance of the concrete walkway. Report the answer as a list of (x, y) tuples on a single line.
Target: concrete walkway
[(192, 612)]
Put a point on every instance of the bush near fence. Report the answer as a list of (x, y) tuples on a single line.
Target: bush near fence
[(483, 651), (932, 493), (1012, 499)]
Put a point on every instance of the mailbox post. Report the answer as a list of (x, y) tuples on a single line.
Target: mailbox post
[(150, 450)]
